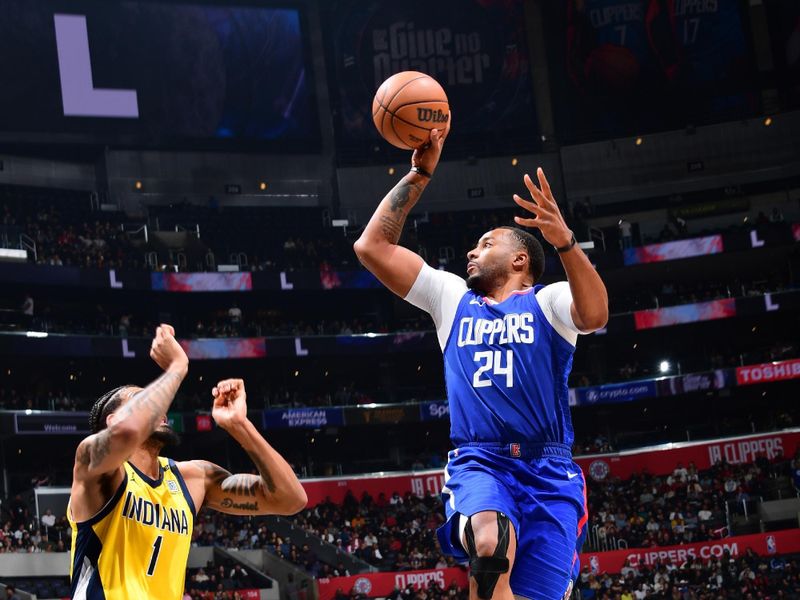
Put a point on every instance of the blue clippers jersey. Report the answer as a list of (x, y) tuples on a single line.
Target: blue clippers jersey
[(620, 23), (712, 36), (506, 372)]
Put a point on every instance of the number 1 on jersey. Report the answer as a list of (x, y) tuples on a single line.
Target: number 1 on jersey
[(492, 361), (154, 558)]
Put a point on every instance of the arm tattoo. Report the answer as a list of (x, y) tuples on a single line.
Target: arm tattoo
[(392, 227), (99, 450), (263, 470), (401, 194), (230, 503), (147, 407), (214, 473), (241, 490), (393, 219), (154, 400), (241, 485), (83, 457)]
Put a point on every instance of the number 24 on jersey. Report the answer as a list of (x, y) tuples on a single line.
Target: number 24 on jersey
[(491, 361)]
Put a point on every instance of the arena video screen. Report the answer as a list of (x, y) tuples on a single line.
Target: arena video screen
[(625, 67), (148, 72), (476, 49)]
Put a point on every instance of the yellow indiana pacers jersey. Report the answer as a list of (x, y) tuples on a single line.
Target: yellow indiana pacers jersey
[(137, 546)]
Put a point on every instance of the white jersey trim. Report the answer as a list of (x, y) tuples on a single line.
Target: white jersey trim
[(85, 576), (439, 293)]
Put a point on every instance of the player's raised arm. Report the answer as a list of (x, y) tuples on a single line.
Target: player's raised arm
[(141, 412), (589, 310), (377, 248), (275, 490)]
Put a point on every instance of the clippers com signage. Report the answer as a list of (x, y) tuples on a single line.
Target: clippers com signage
[(763, 544)]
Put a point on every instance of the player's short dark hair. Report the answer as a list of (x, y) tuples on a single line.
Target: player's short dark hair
[(104, 406), (532, 247)]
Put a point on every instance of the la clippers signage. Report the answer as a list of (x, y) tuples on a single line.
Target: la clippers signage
[(763, 544), (657, 460), (418, 483), (379, 585), (768, 372), (662, 460)]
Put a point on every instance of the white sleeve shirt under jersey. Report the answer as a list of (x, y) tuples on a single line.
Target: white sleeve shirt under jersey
[(439, 292)]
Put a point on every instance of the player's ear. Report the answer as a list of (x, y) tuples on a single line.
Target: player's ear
[(521, 260)]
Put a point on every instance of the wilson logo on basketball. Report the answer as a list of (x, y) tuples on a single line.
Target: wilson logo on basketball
[(428, 114)]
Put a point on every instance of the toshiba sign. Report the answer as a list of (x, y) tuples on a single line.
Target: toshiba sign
[(768, 372)]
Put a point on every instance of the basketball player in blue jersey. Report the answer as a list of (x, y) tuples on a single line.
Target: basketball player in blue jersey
[(515, 500), (132, 511)]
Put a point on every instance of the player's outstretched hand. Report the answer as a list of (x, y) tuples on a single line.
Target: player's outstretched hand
[(546, 214), (230, 403), (167, 352), (427, 157)]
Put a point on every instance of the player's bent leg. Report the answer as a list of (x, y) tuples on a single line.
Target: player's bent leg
[(491, 542)]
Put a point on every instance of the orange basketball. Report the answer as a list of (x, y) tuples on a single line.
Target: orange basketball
[(407, 106)]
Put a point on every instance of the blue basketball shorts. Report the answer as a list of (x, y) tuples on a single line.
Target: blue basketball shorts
[(542, 492)]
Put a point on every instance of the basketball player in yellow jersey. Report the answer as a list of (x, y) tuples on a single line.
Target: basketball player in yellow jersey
[(132, 511)]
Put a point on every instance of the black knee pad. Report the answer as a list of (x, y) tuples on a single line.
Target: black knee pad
[(487, 569)]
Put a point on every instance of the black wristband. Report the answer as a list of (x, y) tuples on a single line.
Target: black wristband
[(421, 171), (569, 246)]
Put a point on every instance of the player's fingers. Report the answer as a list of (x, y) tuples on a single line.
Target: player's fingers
[(214, 391), (526, 204), (170, 330), (527, 222), (544, 184), (534, 191)]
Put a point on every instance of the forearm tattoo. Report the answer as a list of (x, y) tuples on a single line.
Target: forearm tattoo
[(263, 470), (151, 403), (393, 216)]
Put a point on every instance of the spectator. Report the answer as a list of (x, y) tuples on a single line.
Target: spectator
[(48, 518), (124, 325), (27, 311), (239, 576), (11, 593), (235, 317), (626, 233)]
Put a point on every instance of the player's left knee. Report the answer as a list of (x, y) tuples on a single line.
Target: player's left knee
[(489, 561)]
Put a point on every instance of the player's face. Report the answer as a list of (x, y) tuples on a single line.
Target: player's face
[(490, 261)]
